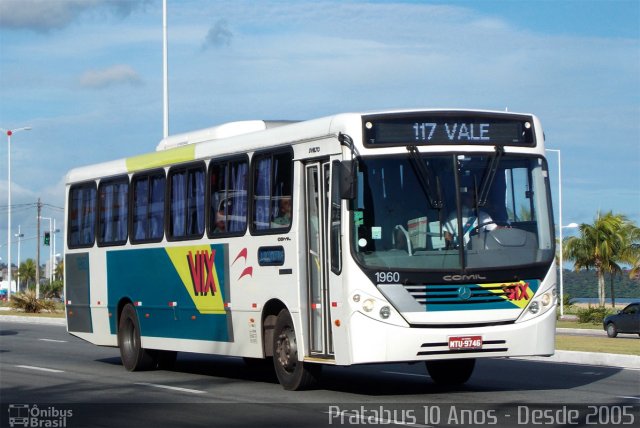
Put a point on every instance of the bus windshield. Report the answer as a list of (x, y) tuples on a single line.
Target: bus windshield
[(452, 211)]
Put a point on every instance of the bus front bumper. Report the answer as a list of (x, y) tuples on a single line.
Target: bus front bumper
[(373, 341)]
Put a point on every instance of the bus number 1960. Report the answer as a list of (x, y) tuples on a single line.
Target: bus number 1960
[(387, 277)]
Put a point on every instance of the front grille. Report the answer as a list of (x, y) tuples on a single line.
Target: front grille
[(468, 294)]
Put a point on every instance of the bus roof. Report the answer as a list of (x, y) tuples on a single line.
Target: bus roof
[(235, 137)]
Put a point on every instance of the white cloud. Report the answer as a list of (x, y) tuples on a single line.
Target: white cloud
[(121, 74), (47, 15), (219, 35)]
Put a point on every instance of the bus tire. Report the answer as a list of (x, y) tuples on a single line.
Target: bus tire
[(134, 357), (451, 372), (292, 374)]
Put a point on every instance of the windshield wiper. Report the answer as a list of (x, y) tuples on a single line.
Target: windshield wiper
[(494, 161), (423, 176)]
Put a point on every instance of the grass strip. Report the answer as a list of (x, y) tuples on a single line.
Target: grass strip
[(575, 324), (623, 344)]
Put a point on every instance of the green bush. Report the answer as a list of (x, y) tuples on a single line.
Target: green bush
[(28, 302), (567, 301), (592, 314), (53, 290)]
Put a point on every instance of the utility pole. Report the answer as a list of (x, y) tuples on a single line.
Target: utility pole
[(38, 252)]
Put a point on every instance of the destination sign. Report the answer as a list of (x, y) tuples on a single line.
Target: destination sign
[(448, 129)]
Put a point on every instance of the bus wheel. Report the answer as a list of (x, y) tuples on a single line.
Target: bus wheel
[(451, 372), (134, 358), (292, 374)]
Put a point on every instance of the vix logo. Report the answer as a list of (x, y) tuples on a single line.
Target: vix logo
[(517, 291), (203, 272), (201, 267)]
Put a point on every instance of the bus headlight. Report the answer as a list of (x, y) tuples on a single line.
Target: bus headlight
[(368, 305), (375, 308), (545, 299), (540, 304), (385, 312)]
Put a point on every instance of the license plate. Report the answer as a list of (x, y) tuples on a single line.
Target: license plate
[(465, 342)]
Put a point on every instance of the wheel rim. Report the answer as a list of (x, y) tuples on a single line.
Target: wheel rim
[(611, 329), (287, 350), (129, 337)]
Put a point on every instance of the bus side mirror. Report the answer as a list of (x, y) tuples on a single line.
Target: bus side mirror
[(346, 179)]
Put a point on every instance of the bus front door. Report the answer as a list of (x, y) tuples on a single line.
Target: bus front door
[(318, 179)]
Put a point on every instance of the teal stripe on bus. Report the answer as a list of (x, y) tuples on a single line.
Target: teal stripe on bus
[(148, 278)]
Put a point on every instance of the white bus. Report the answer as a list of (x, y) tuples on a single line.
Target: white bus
[(397, 236)]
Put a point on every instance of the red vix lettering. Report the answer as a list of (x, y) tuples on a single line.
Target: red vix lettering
[(201, 268), (517, 291)]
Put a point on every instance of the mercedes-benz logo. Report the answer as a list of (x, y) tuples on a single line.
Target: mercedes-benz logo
[(464, 292)]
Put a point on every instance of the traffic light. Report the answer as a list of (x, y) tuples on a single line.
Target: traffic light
[(47, 238)]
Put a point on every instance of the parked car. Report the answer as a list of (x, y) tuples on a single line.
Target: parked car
[(625, 321)]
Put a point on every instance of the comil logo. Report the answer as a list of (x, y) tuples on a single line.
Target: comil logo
[(25, 415), (473, 277)]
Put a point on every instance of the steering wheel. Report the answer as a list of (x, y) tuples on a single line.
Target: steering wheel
[(486, 223)]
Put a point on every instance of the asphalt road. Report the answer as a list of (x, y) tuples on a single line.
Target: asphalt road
[(52, 376)]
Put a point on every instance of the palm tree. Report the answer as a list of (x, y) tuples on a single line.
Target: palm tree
[(27, 271), (634, 273), (59, 270), (631, 252), (599, 246)]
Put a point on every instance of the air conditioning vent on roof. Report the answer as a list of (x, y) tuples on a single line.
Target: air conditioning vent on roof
[(225, 130)]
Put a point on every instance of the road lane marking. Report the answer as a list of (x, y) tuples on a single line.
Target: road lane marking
[(406, 374), (173, 388), (630, 397), (53, 340), (42, 369)]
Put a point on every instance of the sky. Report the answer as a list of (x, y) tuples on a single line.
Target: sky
[(86, 75)]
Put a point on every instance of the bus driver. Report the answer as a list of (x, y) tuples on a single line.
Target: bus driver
[(469, 221)]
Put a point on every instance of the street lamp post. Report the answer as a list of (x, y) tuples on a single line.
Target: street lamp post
[(571, 225), (19, 235), (54, 233), (165, 72), (9, 133)]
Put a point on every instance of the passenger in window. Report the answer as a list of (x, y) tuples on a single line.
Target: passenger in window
[(284, 215), (220, 226), (221, 217)]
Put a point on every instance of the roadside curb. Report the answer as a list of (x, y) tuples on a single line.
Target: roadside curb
[(582, 331), (33, 320), (591, 359)]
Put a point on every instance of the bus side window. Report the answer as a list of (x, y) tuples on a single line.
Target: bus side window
[(272, 190), (148, 207), (186, 202), (82, 215), (113, 207), (228, 198)]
